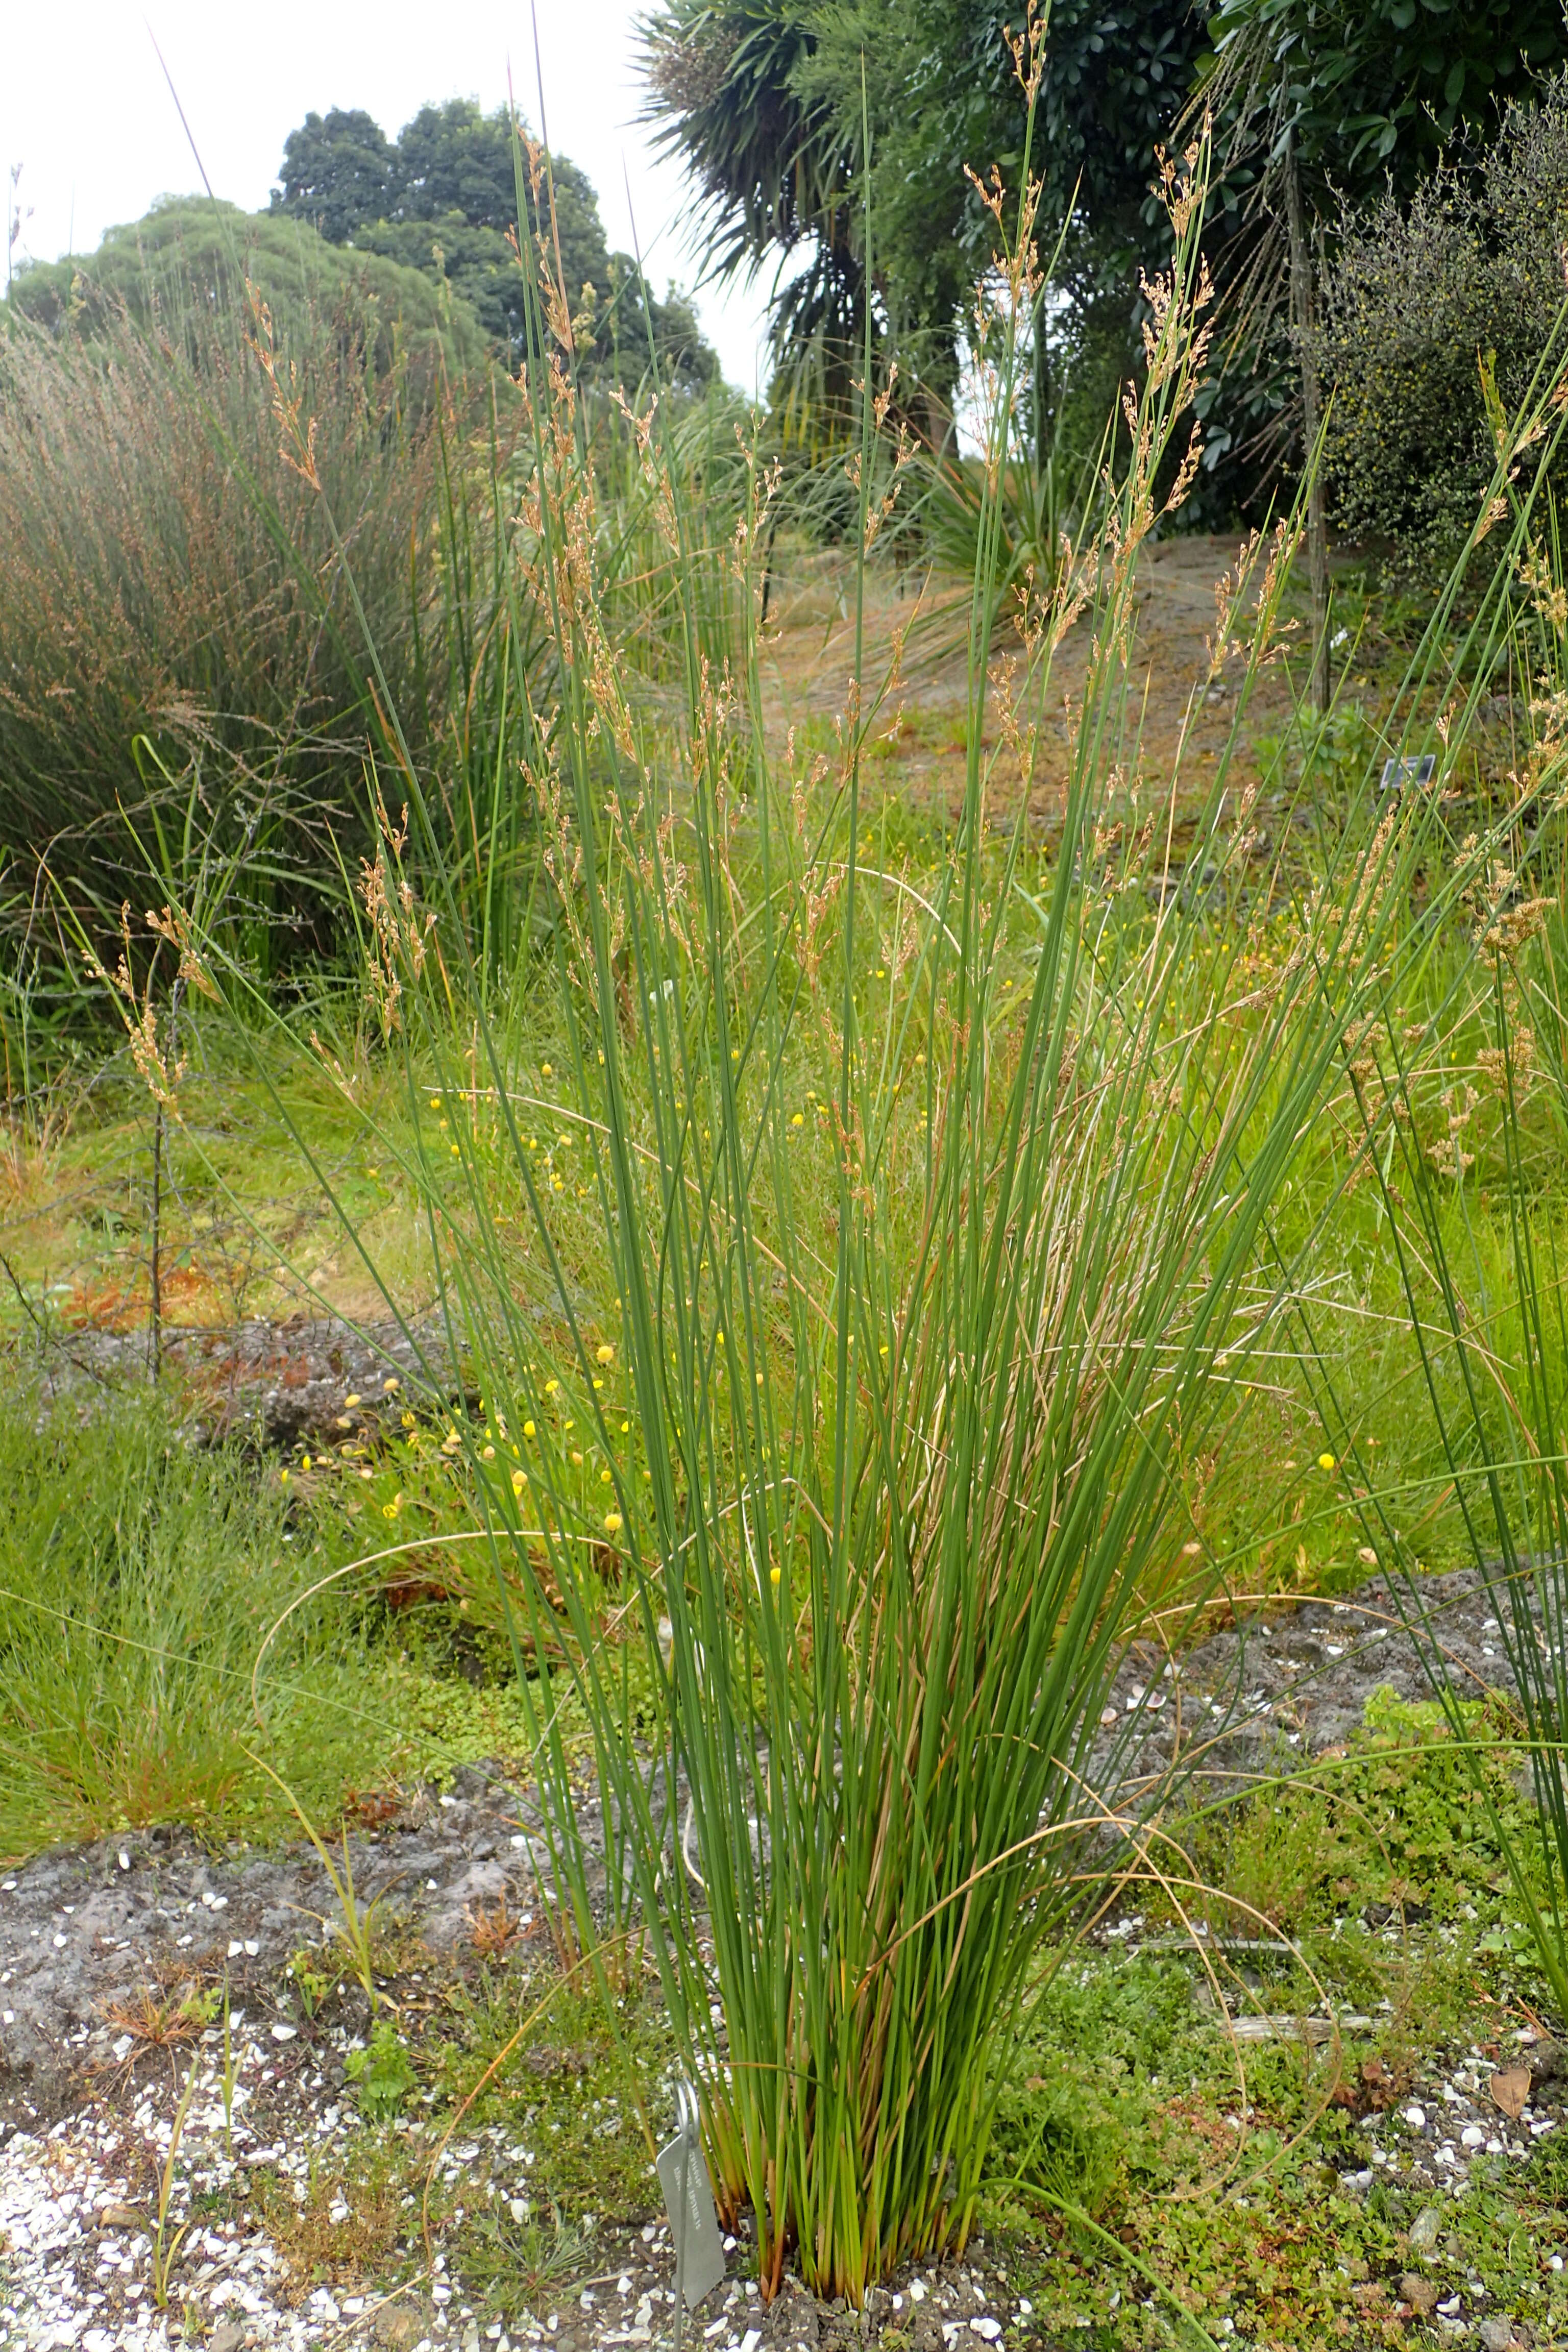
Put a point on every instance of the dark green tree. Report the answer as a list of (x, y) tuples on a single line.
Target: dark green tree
[(766, 101), (457, 159), (479, 264), (339, 171), (446, 203), (1375, 92)]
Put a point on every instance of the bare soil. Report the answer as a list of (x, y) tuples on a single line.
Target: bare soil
[(1182, 724)]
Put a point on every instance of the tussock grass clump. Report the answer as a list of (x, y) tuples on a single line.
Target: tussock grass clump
[(913, 1405), (864, 1285), (138, 1578), (182, 671), (913, 1442)]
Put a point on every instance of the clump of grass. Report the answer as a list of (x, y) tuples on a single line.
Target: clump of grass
[(852, 1355), (184, 672), (151, 613), (910, 1435), (138, 1578), (908, 1419)]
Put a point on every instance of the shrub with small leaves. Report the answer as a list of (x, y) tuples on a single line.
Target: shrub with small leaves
[(1421, 308)]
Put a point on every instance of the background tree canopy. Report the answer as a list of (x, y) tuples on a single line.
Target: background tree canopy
[(768, 103), (1359, 101), (191, 254), (762, 101), (1429, 310), (442, 199), (1377, 91)]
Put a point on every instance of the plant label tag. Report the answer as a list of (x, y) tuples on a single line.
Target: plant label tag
[(1416, 769), (688, 2200)]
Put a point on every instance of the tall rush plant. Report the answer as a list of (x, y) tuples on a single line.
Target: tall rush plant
[(1476, 1244), (910, 1435), (910, 1449)]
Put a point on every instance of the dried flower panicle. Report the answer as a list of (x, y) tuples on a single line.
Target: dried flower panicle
[(152, 1035), (398, 937)]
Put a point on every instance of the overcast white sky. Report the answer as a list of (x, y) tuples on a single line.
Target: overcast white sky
[(85, 110)]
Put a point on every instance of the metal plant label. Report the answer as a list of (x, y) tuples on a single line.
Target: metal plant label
[(688, 2200), (1417, 768)]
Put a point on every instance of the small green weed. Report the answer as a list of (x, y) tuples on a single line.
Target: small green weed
[(305, 1974), (359, 2218), (1229, 2186), (383, 2072), (1229, 2173), (1397, 1824), (510, 2255)]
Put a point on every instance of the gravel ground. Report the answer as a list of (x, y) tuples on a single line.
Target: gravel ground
[(1297, 1677), (87, 2106), (83, 1930), (277, 1385)]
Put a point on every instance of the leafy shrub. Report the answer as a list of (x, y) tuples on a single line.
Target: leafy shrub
[(1401, 1823), (1422, 305), (1075, 2119), (187, 258)]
